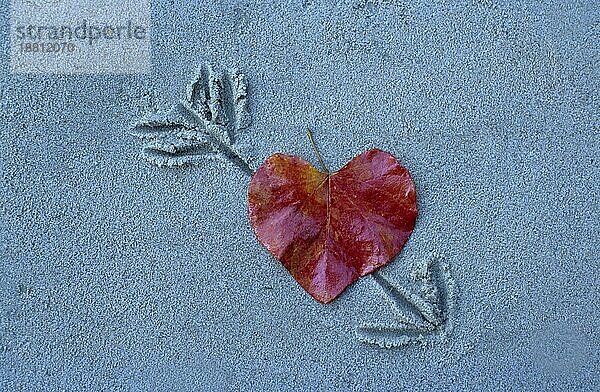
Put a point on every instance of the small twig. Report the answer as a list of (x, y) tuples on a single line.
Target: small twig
[(314, 146)]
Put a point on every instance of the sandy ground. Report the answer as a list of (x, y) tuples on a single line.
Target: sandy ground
[(119, 275)]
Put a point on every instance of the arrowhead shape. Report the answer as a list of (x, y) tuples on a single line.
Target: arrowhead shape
[(329, 229)]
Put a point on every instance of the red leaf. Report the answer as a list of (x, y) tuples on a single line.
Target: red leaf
[(330, 229)]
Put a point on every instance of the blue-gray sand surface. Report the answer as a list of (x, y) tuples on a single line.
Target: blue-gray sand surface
[(118, 275)]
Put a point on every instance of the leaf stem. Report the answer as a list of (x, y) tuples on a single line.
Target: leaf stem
[(314, 146)]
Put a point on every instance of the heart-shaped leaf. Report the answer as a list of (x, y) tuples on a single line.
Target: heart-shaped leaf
[(329, 229)]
